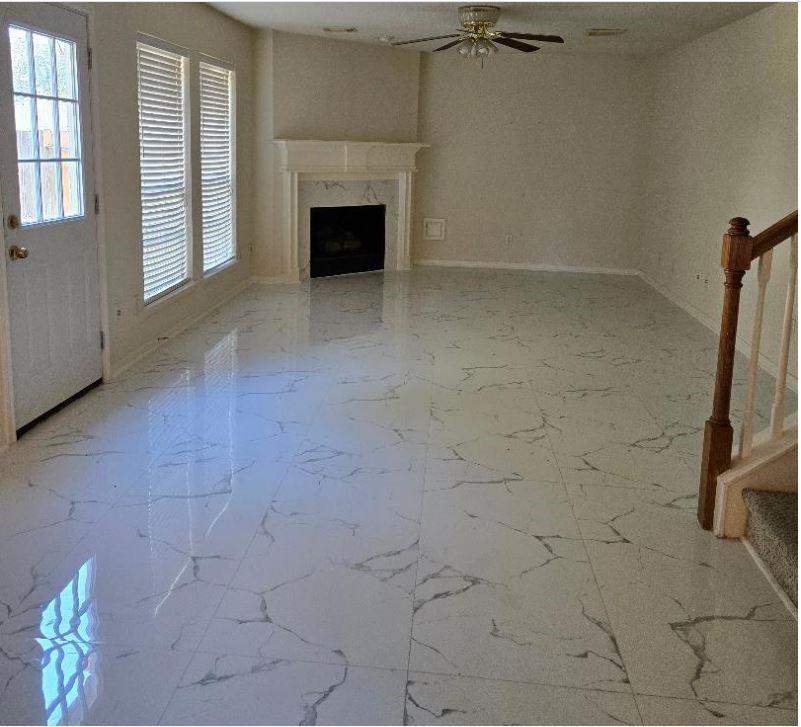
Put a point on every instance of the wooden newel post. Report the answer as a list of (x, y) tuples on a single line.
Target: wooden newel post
[(718, 432)]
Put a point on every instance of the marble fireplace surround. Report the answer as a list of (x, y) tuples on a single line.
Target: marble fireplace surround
[(343, 161)]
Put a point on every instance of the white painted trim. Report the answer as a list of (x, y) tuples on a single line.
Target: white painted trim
[(742, 343), (523, 266), (771, 467), (7, 426), (785, 599), (152, 346)]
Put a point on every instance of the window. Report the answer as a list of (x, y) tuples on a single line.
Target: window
[(48, 126), (217, 164), (164, 169)]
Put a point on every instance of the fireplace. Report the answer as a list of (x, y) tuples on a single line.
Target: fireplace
[(346, 239)]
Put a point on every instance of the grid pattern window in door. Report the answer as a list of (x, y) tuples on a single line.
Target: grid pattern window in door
[(217, 164), (48, 126)]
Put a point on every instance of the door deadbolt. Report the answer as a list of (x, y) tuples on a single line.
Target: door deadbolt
[(15, 252), (13, 222)]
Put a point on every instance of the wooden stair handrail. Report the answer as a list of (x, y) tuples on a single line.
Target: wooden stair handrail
[(739, 249), (773, 235)]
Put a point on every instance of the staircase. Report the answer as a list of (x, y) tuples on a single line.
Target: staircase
[(751, 491), (773, 534)]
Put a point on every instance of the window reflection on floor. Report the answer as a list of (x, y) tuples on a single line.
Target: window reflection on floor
[(70, 660)]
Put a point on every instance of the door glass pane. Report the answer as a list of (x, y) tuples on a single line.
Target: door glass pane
[(72, 188), (51, 199), (46, 122), (46, 129), (65, 69), (68, 129), (43, 65), (28, 192), (26, 143), (20, 59)]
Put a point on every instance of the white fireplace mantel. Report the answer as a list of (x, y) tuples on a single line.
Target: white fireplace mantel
[(302, 160)]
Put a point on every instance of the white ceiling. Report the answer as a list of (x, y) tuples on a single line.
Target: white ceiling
[(652, 27)]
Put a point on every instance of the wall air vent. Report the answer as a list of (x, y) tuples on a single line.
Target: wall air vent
[(604, 32), (340, 29)]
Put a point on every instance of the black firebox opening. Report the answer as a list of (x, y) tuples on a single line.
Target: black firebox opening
[(347, 239)]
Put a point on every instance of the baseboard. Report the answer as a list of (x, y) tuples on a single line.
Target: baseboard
[(152, 346), (742, 344), (283, 279), (536, 267)]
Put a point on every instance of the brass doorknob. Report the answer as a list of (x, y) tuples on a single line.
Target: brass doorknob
[(15, 252)]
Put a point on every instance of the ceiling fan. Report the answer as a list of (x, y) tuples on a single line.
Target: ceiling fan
[(476, 39)]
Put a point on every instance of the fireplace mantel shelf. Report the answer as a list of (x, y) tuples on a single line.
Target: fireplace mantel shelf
[(309, 155)]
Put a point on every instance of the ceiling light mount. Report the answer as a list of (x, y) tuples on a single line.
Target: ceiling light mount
[(477, 39)]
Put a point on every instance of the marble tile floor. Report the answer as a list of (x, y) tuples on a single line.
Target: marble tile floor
[(443, 496)]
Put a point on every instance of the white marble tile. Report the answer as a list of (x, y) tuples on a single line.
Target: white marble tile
[(67, 681), (686, 607), (504, 590), (441, 699), (666, 711), (487, 475), (240, 690), (331, 567)]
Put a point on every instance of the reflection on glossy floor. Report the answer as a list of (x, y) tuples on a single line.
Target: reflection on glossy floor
[(444, 496)]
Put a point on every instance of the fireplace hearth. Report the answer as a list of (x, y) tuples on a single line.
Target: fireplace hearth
[(346, 239)]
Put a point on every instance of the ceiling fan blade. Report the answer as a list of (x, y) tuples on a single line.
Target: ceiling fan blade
[(421, 40), (516, 44), (448, 45), (531, 36)]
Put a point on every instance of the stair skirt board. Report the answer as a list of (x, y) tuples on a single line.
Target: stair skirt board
[(773, 534), (785, 599)]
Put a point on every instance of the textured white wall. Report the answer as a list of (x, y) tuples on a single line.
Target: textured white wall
[(113, 35), (545, 148), (723, 143), (331, 89)]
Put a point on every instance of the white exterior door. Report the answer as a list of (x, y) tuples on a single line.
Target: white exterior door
[(48, 206)]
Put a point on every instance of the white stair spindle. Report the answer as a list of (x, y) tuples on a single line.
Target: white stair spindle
[(777, 415), (747, 430)]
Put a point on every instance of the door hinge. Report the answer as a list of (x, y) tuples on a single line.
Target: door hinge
[(89, 58), (97, 205), (102, 340)]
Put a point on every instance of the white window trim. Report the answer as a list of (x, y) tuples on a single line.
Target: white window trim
[(196, 275)]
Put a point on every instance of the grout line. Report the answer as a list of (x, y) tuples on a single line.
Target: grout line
[(794, 710), (589, 560), (197, 650), (419, 539)]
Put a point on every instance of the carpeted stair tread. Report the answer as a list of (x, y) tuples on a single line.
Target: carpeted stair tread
[(773, 532)]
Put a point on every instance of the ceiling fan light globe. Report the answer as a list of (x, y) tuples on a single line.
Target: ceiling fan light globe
[(464, 49)]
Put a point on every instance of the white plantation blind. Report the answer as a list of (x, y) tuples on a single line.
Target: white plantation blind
[(163, 163), (217, 164)]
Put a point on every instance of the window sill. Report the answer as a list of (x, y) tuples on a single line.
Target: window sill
[(154, 307)]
